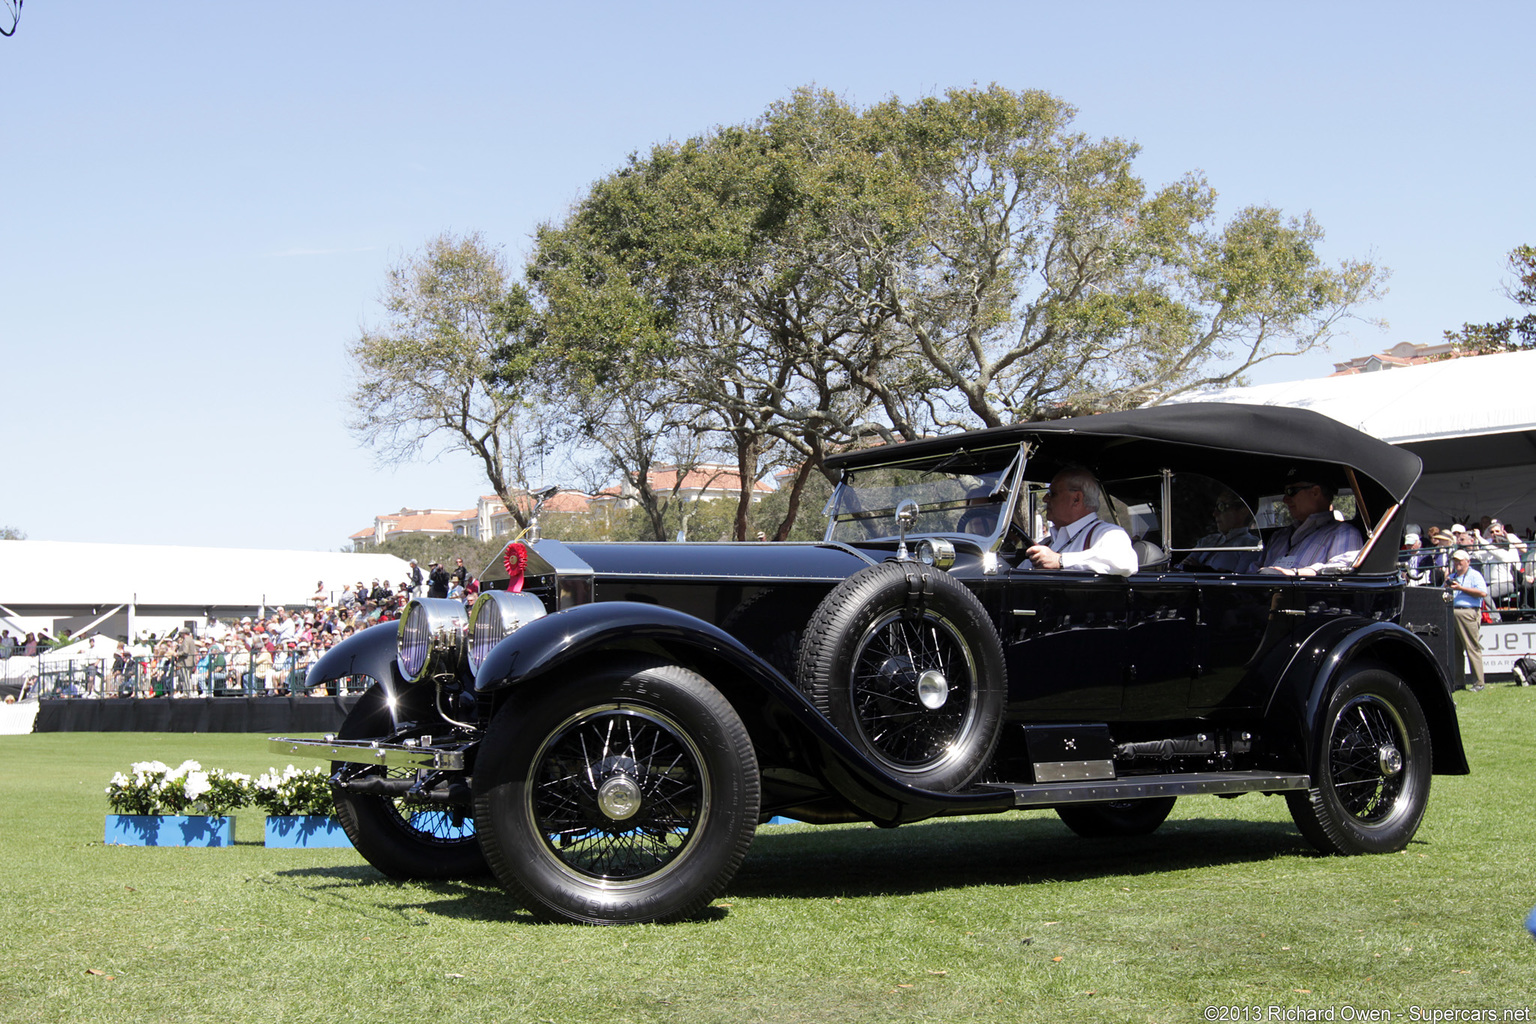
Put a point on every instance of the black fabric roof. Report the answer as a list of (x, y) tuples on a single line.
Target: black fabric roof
[(1250, 446)]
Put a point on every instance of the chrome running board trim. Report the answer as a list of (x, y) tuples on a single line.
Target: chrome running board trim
[(1140, 787)]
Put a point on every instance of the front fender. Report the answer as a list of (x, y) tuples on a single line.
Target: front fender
[(1335, 649), (368, 653), (547, 643), (758, 690)]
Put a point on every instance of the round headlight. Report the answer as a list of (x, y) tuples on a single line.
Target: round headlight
[(937, 552), (432, 631), (498, 614)]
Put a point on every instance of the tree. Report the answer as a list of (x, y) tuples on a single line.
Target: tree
[(826, 275), (428, 372), (1509, 334), (11, 533)]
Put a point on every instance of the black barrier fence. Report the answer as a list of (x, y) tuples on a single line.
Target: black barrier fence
[(269, 715)]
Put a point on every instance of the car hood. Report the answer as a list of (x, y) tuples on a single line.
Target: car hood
[(736, 562)]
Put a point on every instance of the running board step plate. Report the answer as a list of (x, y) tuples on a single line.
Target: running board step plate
[(1139, 787)]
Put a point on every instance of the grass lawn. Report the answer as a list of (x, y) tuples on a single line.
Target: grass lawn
[(1008, 918)]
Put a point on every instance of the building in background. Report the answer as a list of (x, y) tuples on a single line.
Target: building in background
[(1404, 353), (431, 521)]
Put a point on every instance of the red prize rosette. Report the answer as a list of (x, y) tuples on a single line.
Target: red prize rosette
[(516, 560)]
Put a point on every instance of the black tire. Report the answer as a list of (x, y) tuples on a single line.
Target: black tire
[(625, 796), (905, 661), (1371, 770), (1116, 818), (404, 839)]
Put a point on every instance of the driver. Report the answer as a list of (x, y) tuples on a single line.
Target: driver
[(1079, 539)]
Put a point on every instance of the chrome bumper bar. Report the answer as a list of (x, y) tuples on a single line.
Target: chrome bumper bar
[(391, 755)]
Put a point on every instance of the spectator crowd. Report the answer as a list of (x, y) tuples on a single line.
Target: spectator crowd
[(255, 656), (1505, 560)]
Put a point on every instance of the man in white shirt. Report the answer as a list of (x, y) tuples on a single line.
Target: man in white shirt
[(1079, 539)]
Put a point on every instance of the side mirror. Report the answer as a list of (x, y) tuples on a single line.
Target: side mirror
[(906, 518)]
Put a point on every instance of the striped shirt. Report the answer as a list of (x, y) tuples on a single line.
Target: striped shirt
[(1320, 541)]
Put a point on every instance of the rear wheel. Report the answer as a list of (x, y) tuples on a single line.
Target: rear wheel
[(1115, 818), (403, 838), (627, 796), (1371, 768)]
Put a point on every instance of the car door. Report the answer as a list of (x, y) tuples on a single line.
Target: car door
[(1064, 643)]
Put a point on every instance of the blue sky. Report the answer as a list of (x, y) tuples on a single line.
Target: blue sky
[(202, 198)]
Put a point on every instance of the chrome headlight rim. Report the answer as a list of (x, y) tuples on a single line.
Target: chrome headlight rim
[(498, 614), (935, 551), (430, 637)]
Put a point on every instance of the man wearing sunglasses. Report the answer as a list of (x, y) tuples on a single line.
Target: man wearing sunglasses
[(1315, 541)]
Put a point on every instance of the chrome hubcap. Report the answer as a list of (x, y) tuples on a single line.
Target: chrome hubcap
[(932, 689)]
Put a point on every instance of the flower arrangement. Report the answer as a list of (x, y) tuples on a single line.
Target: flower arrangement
[(295, 792), (156, 788)]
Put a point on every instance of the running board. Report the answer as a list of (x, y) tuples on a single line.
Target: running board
[(1140, 787)]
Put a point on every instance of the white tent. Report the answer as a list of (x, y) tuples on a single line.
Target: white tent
[(126, 588), (1472, 421)]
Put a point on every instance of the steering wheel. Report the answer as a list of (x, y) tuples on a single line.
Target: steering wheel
[(981, 520)]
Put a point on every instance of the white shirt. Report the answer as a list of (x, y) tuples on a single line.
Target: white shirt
[(1092, 544)]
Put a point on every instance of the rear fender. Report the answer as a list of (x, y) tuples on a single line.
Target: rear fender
[(1338, 648)]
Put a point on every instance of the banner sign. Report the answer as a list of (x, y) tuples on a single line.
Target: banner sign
[(1506, 642)]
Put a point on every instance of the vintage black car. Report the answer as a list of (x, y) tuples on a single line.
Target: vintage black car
[(608, 726)]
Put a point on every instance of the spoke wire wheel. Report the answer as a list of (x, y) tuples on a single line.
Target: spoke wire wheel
[(1372, 768), (426, 821), (626, 792), (618, 793), (890, 662), (905, 661), (1365, 761)]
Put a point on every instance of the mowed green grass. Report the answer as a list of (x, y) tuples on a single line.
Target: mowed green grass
[(1008, 918)]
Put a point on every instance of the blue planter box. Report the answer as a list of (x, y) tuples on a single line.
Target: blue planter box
[(305, 831), (169, 830)]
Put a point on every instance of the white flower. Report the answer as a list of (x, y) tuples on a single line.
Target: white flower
[(196, 784)]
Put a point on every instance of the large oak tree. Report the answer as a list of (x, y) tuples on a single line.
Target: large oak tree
[(825, 275)]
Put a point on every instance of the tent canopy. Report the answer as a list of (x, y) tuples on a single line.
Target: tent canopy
[(1472, 421), (68, 573)]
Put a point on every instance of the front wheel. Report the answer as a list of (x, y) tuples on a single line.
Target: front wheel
[(1371, 768), (1116, 818), (627, 796)]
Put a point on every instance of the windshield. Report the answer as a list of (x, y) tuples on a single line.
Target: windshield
[(960, 492)]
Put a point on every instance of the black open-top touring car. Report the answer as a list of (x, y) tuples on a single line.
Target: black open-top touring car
[(609, 724)]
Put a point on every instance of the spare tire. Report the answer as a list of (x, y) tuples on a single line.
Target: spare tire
[(905, 661)]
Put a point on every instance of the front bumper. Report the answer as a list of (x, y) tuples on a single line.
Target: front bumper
[(408, 754)]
